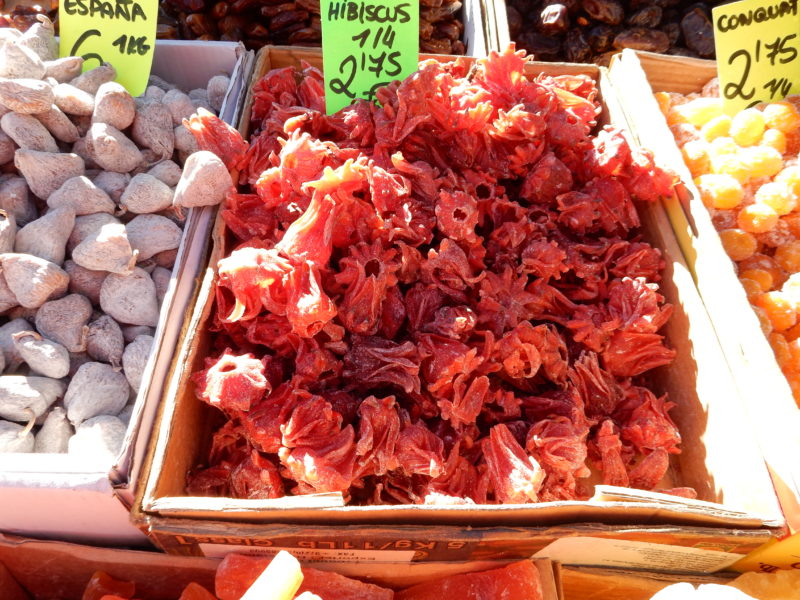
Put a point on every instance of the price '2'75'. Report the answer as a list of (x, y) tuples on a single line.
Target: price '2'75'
[(781, 51)]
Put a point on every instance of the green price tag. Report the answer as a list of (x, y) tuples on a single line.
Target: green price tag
[(120, 32), (366, 45), (758, 51)]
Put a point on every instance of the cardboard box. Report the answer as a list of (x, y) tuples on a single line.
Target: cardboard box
[(771, 409), (586, 583), (58, 570), (60, 496), (733, 515)]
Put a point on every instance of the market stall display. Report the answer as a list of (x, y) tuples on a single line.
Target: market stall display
[(594, 30), (204, 521), (445, 27), (772, 410), (441, 24), (92, 490), (460, 352), (86, 262), (745, 169)]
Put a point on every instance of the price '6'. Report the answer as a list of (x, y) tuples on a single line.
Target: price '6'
[(780, 51)]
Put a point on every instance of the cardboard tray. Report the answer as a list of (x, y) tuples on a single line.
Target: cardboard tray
[(57, 570), (93, 498), (734, 513), (771, 409)]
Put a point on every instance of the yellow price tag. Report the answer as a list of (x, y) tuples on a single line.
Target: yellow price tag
[(366, 44), (120, 32), (758, 51)]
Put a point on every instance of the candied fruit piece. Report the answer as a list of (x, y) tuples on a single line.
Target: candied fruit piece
[(774, 138), (730, 164), (102, 584), (751, 288), (792, 285), (747, 127), (195, 591), (724, 219), (793, 223), (717, 127), (788, 257), (722, 145), (781, 116), (795, 385), (793, 358), (792, 334), (763, 320), (762, 161), (778, 308), (738, 244), (760, 276), (517, 581), (781, 349), (695, 155), (767, 263), (236, 573), (777, 196), (329, 585), (699, 111), (663, 101), (757, 218), (791, 177), (722, 192)]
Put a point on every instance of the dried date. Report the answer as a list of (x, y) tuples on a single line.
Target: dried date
[(296, 23), (641, 38), (686, 25), (576, 47), (601, 38), (649, 16), (605, 11), (698, 32), (554, 19)]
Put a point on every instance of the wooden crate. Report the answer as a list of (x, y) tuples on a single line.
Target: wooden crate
[(770, 406), (732, 514)]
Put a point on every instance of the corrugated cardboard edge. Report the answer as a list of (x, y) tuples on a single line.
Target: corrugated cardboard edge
[(765, 393), (589, 583), (279, 57)]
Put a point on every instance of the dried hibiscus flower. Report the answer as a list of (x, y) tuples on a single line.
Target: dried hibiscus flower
[(443, 298)]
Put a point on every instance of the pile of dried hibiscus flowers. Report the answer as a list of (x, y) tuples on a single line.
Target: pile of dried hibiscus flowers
[(441, 299)]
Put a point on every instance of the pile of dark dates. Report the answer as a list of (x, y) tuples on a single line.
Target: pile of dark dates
[(22, 15), (293, 23), (593, 30), (257, 23)]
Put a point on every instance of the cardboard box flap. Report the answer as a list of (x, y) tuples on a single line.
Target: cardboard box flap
[(766, 397), (699, 382), (187, 273), (166, 506), (590, 583)]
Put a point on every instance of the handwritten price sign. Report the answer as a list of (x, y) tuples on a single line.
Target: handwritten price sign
[(758, 51), (365, 46), (120, 32)]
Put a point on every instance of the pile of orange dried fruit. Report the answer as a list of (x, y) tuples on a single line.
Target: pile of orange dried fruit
[(747, 170)]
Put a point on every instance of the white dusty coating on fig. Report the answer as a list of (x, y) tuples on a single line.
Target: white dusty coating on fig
[(64, 321), (99, 438), (96, 389), (53, 437), (130, 299), (15, 438), (135, 358)]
